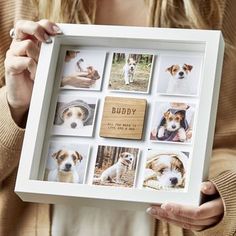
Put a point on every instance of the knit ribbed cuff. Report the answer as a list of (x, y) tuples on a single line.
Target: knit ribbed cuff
[(226, 186), (11, 135)]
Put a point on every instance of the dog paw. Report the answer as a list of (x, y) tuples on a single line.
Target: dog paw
[(127, 83)]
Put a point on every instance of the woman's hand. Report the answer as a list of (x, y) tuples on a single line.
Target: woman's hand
[(78, 81), (21, 62), (192, 218)]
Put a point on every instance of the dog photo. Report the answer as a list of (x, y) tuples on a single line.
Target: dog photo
[(83, 69), (131, 72), (165, 170), (67, 162), (172, 122), (179, 75), (116, 166), (75, 116)]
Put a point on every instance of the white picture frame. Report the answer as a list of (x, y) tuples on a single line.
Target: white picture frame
[(205, 44)]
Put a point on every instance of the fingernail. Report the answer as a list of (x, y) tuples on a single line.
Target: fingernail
[(151, 211), (166, 207), (56, 29), (47, 38)]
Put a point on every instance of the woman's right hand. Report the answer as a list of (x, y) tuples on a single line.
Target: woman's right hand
[(21, 62)]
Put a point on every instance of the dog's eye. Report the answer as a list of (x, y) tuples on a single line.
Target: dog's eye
[(170, 119), (177, 118), (79, 114), (74, 157), (162, 170), (69, 114)]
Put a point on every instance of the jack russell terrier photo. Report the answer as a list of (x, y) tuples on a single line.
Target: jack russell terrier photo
[(66, 161), (173, 124), (179, 81), (74, 115), (115, 172), (129, 70), (165, 170)]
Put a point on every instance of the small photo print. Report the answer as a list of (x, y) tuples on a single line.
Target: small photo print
[(83, 69), (75, 116), (172, 122), (165, 170), (179, 75), (116, 166), (131, 72), (67, 162)]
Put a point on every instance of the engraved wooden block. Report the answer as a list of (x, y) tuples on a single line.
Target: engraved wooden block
[(123, 118)]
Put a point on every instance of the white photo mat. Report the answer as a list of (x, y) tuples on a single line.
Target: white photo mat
[(196, 169)]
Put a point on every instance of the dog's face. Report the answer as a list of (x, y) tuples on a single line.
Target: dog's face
[(131, 64), (66, 159), (169, 169), (92, 73), (180, 72), (126, 158), (73, 117), (173, 121)]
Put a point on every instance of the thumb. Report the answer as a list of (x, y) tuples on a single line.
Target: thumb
[(208, 188)]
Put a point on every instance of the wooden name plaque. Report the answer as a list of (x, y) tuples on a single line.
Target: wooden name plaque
[(123, 118)]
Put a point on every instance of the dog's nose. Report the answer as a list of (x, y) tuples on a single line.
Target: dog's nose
[(181, 73), (68, 166), (73, 125), (173, 126), (173, 180)]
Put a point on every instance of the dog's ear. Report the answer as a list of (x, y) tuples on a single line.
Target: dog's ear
[(166, 114), (189, 67), (80, 158), (169, 69), (55, 155)]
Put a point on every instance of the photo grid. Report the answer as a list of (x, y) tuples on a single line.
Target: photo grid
[(158, 125)]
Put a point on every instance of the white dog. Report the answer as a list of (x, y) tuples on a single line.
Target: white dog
[(129, 70), (179, 82), (66, 166), (167, 170), (172, 123), (116, 171), (73, 117)]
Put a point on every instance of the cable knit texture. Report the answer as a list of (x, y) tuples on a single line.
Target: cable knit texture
[(28, 219)]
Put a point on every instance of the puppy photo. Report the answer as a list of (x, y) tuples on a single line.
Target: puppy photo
[(115, 166), (74, 116), (179, 75), (67, 162), (131, 72), (172, 122), (165, 170), (179, 81), (83, 69)]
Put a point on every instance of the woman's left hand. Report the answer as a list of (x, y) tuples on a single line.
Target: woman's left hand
[(192, 218)]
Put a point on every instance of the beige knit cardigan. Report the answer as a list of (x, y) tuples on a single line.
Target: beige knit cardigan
[(29, 219)]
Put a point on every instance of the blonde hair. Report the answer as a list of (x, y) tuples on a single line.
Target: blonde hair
[(162, 13)]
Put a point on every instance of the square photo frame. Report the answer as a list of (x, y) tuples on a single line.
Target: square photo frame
[(179, 74), (52, 128), (131, 72), (83, 69)]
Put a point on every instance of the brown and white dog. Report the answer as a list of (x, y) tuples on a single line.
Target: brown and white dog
[(73, 117), (167, 169), (172, 124), (67, 161), (87, 71), (116, 171), (129, 70), (179, 82)]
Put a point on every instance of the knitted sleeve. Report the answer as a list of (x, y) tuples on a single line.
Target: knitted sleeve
[(223, 175), (11, 138)]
